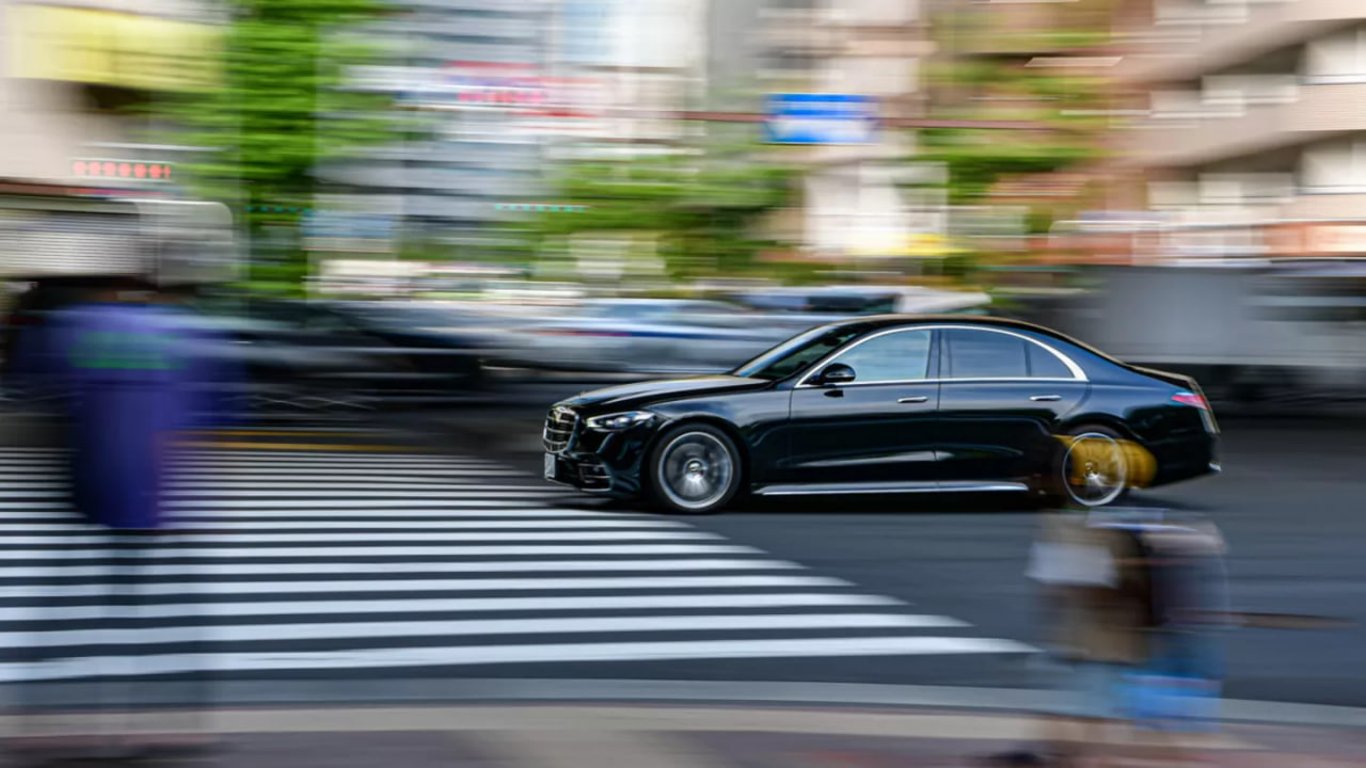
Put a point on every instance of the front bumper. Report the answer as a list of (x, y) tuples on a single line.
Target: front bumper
[(585, 473), (600, 462)]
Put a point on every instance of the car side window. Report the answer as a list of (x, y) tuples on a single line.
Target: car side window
[(1045, 365), (899, 356), (986, 355)]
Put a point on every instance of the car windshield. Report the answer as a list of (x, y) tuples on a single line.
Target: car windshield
[(798, 353)]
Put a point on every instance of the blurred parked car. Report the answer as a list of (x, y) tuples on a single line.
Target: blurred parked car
[(855, 300), (388, 351), (652, 336)]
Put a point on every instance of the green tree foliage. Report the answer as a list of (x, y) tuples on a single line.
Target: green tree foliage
[(988, 80), (701, 207), (978, 158), (279, 109), (1064, 134)]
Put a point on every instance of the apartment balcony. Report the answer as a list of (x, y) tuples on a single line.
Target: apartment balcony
[(1321, 207), (801, 33), (1183, 47), (1320, 112)]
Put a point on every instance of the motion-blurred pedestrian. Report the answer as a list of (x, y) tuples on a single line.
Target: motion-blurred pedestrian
[(1134, 598), (1098, 595), (1176, 690), (130, 378)]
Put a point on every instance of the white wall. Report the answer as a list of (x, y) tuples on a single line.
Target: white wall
[(876, 12), (658, 33), (1337, 58)]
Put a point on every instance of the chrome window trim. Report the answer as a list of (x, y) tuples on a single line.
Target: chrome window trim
[(979, 379), (1077, 373)]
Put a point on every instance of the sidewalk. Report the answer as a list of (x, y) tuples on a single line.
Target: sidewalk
[(663, 736)]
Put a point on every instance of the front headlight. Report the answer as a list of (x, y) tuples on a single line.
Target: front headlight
[(615, 422)]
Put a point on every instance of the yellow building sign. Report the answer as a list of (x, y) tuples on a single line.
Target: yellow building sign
[(914, 245), (110, 48)]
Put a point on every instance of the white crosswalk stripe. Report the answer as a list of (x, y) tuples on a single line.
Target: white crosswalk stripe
[(317, 560)]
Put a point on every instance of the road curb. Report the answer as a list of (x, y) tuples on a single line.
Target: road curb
[(580, 718), (1020, 700), (591, 692)]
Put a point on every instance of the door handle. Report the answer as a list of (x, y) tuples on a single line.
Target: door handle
[(916, 399), (1045, 398)]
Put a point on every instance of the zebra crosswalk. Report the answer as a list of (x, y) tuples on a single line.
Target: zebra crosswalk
[(329, 562)]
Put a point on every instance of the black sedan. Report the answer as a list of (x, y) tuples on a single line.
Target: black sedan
[(891, 404)]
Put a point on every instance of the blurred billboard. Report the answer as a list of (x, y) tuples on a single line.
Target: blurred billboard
[(815, 118)]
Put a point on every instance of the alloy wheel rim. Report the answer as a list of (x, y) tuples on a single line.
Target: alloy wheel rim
[(1094, 469), (695, 470)]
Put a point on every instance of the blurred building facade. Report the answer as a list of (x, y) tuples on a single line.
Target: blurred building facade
[(82, 190), (653, 75), (1250, 130), (628, 72), (465, 73), (853, 202), (69, 73)]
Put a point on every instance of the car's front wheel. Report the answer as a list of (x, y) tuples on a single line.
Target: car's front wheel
[(695, 469)]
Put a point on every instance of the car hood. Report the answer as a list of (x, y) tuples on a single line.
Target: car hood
[(646, 392)]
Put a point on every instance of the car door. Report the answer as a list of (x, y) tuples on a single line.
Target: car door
[(1002, 396), (879, 427)]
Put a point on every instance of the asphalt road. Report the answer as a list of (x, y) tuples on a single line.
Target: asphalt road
[(462, 502), (1291, 502)]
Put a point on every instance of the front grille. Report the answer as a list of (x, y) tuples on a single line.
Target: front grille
[(559, 429)]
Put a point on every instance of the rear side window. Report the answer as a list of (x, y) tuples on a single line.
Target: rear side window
[(986, 355), (1045, 365)]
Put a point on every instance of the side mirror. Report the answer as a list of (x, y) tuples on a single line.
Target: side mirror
[(836, 374)]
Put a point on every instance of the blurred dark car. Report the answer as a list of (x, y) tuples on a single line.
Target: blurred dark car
[(650, 336), (892, 404), (354, 354), (304, 355), (32, 301)]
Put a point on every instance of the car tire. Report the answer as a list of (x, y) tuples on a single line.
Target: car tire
[(694, 469), (1092, 469)]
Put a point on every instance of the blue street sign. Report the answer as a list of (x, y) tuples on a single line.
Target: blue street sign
[(818, 118)]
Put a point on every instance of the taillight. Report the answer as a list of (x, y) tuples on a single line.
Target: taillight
[(1192, 399)]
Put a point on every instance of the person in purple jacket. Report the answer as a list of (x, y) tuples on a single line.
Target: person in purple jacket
[(132, 372)]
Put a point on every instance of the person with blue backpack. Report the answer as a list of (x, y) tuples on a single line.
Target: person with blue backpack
[(1178, 688)]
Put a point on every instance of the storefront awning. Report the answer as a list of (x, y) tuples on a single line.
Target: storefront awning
[(101, 47)]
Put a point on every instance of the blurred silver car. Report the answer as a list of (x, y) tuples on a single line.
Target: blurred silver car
[(653, 336)]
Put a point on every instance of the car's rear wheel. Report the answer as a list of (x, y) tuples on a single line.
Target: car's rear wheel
[(695, 469), (1094, 470)]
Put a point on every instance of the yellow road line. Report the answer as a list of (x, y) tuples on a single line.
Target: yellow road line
[(268, 433), (243, 445)]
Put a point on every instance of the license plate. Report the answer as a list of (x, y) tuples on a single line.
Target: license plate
[(550, 466)]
